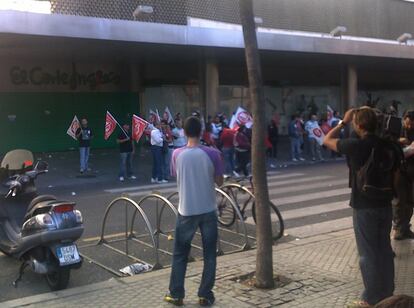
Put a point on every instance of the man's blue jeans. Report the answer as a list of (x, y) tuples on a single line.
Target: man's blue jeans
[(84, 158), (186, 226), (376, 259), (125, 168), (228, 154), (157, 162)]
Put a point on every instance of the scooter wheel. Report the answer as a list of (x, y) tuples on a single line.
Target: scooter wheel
[(58, 280)]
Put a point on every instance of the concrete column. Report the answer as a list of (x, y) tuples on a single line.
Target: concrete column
[(211, 87), (202, 86), (135, 85), (344, 105), (352, 82)]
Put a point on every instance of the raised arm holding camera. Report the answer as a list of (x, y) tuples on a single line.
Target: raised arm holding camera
[(372, 163)]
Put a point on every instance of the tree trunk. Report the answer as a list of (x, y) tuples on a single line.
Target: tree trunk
[(264, 261)]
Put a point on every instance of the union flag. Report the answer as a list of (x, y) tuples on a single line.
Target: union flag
[(73, 128), (138, 127), (110, 125)]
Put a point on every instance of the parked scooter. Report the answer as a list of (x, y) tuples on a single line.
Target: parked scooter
[(38, 230)]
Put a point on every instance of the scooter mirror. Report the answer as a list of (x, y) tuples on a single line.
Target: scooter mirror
[(41, 166)]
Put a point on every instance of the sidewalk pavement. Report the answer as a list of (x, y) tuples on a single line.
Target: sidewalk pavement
[(319, 271)]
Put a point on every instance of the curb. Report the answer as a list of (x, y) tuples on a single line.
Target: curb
[(196, 270)]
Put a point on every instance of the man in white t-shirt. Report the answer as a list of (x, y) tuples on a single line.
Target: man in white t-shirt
[(197, 168)]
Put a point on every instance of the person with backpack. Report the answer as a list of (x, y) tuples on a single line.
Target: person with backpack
[(372, 163)]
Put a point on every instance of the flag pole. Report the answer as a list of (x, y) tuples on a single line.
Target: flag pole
[(118, 124)]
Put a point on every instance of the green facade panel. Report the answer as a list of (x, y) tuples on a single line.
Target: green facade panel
[(39, 121)]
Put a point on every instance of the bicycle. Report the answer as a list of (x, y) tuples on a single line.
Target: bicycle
[(242, 197)]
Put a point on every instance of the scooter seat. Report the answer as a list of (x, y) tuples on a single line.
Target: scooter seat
[(39, 199)]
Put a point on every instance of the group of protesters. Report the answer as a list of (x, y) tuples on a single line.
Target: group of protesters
[(234, 143), (231, 137), (309, 134)]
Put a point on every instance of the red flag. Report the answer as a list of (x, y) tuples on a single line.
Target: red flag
[(110, 125), (138, 127)]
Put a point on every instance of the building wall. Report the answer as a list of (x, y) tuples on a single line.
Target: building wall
[(369, 18), (39, 100)]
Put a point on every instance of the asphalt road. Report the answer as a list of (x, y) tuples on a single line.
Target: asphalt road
[(312, 198)]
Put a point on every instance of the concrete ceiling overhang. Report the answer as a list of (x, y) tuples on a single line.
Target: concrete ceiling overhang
[(285, 59), (68, 26)]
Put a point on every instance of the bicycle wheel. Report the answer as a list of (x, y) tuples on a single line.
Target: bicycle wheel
[(225, 211), (241, 196), (278, 226)]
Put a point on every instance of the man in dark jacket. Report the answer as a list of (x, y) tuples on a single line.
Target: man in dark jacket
[(403, 205), (273, 133), (84, 135)]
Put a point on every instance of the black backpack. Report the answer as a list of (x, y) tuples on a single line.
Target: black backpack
[(375, 179)]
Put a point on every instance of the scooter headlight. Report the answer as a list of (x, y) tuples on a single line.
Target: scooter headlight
[(79, 218)]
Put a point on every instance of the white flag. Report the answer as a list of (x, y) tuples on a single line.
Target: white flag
[(74, 126), (241, 117), (314, 131), (329, 113), (168, 116)]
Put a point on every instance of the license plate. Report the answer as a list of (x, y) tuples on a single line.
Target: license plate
[(68, 255)]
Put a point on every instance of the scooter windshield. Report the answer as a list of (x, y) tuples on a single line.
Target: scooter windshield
[(17, 160)]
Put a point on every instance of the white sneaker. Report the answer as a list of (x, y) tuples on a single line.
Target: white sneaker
[(236, 174), (162, 182), (272, 166), (301, 159), (153, 180), (132, 177), (294, 159), (121, 178)]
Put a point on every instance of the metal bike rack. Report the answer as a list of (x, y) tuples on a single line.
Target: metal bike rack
[(127, 202), (161, 205), (158, 231)]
